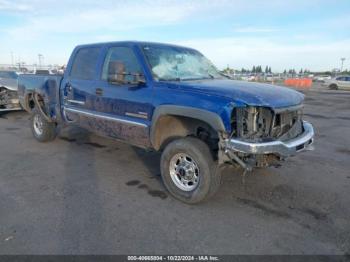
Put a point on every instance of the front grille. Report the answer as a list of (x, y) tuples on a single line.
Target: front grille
[(265, 124)]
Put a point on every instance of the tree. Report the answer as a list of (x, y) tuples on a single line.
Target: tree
[(254, 69), (266, 69), (270, 71), (285, 72), (258, 69), (301, 71)]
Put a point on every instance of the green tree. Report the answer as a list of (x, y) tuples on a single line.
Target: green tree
[(266, 69)]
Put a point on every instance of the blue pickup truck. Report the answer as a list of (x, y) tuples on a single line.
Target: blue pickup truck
[(170, 99)]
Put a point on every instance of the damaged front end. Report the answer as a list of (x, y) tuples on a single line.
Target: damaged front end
[(262, 136), (9, 100)]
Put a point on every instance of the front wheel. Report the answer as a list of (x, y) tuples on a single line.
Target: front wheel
[(189, 171), (42, 130)]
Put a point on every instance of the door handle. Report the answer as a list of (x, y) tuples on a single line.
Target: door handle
[(99, 91), (69, 87)]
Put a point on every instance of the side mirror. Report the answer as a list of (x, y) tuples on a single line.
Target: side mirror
[(139, 79), (118, 75), (116, 72)]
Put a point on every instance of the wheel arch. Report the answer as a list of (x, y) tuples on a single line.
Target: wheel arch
[(170, 121)]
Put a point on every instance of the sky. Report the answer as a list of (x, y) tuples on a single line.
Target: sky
[(312, 34)]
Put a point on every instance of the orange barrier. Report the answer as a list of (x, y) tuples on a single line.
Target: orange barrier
[(298, 82)]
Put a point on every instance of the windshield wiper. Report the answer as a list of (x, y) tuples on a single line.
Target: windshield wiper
[(211, 76), (196, 78), (223, 74), (178, 79)]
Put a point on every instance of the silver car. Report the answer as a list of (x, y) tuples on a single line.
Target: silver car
[(340, 82), (8, 91)]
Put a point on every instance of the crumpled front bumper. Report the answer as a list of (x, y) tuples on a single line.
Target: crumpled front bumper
[(283, 148)]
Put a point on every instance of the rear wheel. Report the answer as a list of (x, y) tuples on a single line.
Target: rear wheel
[(333, 87), (42, 130), (189, 171)]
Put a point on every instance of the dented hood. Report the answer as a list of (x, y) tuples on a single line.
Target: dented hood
[(250, 93)]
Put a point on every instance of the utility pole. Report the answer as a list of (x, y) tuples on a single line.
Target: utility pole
[(342, 64), (11, 58), (40, 56)]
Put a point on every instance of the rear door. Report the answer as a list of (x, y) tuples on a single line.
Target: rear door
[(347, 83), (78, 88), (341, 82)]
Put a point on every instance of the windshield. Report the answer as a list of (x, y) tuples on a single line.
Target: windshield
[(170, 63)]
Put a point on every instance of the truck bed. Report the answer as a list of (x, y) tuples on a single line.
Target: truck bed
[(47, 86)]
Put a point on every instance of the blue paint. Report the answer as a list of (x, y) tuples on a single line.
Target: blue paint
[(219, 96)]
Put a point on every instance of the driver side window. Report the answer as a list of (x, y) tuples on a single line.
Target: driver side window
[(120, 65)]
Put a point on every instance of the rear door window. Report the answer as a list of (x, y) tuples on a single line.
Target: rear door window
[(84, 64)]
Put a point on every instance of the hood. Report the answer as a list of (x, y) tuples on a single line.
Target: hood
[(250, 93), (10, 84)]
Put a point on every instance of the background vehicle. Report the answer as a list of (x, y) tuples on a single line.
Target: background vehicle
[(322, 78), (8, 91), (340, 82), (171, 99)]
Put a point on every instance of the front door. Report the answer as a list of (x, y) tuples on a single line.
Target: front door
[(126, 103)]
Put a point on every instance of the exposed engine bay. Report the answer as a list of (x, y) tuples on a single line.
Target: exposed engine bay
[(263, 124)]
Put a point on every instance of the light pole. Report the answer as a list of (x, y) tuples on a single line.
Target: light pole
[(11, 58), (40, 56), (342, 64)]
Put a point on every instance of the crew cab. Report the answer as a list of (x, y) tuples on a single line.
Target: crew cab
[(170, 99)]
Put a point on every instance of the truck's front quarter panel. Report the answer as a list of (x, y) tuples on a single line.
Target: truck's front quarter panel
[(166, 93)]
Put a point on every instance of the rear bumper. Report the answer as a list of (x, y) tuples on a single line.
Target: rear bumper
[(282, 148)]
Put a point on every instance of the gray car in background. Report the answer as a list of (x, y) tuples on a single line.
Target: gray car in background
[(339, 82), (8, 91)]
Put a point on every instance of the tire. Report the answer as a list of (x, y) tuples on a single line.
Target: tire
[(42, 130), (333, 87), (204, 181)]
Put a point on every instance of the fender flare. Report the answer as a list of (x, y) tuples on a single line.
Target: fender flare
[(44, 93), (212, 119)]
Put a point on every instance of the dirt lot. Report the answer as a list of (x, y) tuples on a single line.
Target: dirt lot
[(89, 195)]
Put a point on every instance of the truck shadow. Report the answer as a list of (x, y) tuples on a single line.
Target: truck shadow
[(151, 161), (82, 204)]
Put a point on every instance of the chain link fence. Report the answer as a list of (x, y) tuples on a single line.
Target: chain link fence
[(26, 68)]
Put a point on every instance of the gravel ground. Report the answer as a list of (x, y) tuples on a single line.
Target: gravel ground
[(82, 194)]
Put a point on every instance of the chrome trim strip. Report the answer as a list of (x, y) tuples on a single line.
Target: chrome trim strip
[(283, 148), (76, 102), (136, 115), (103, 116), (10, 109)]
